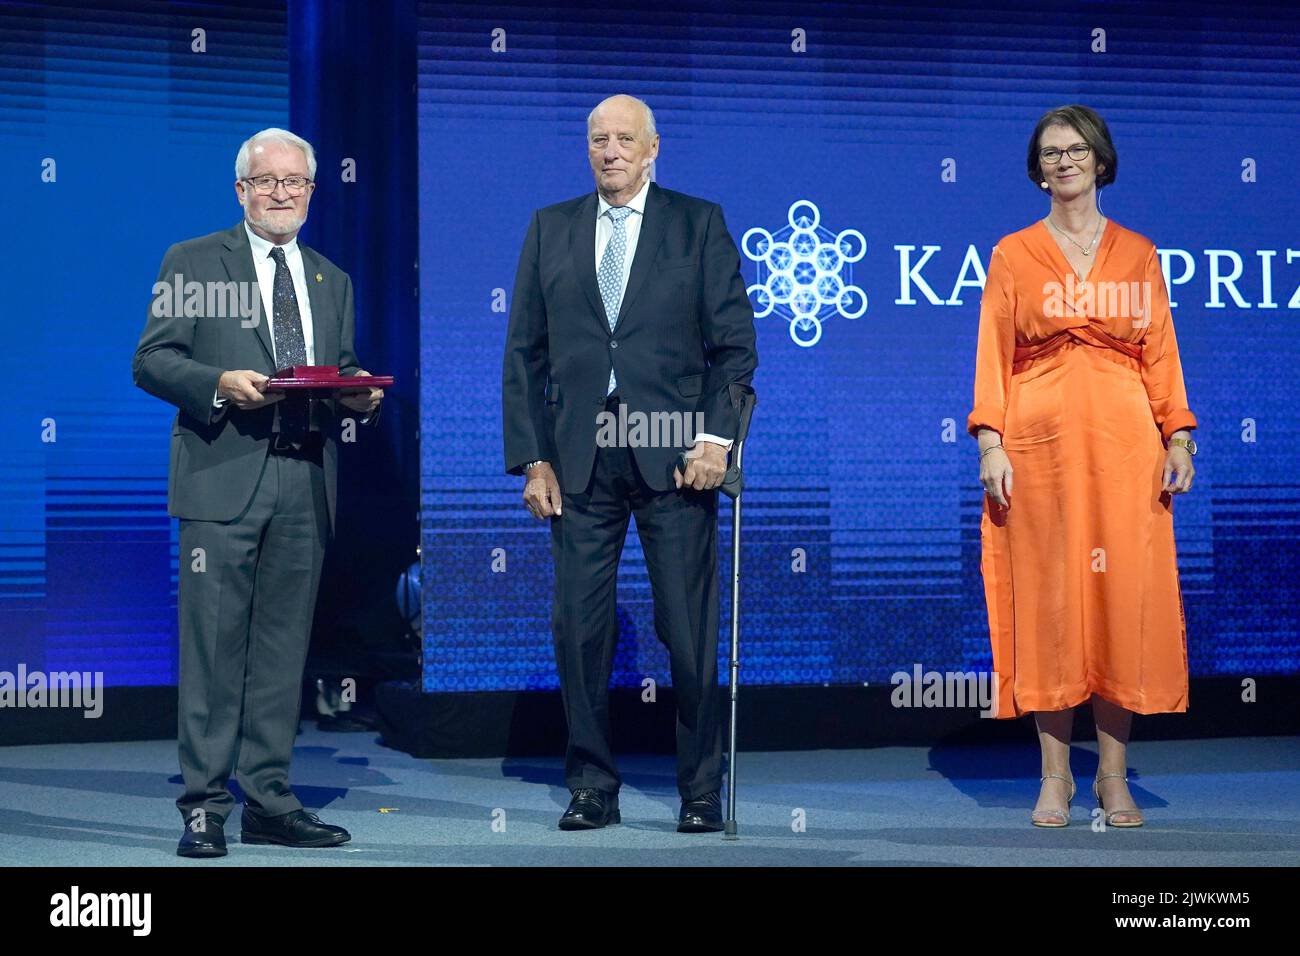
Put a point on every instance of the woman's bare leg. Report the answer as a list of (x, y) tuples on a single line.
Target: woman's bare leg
[(1054, 730), (1113, 723)]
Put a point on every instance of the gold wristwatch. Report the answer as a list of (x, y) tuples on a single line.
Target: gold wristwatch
[(1188, 443)]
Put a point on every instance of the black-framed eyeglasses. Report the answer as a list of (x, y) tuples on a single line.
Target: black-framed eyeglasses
[(1078, 152), (265, 185)]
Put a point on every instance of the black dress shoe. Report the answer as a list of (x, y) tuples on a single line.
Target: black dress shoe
[(296, 828), (210, 841), (590, 810), (701, 815)]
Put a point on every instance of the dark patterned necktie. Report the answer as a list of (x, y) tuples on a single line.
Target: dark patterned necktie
[(290, 348)]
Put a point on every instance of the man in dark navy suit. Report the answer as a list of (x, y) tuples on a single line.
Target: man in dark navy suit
[(631, 340)]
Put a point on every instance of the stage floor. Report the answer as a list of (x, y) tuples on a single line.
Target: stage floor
[(1224, 802)]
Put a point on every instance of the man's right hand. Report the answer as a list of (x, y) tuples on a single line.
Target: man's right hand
[(542, 492), (247, 389)]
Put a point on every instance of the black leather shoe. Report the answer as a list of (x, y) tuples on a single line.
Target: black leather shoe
[(590, 809), (210, 841), (701, 815), (296, 828)]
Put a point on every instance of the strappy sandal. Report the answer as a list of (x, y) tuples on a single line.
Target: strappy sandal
[(1052, 817), (1111, 814)]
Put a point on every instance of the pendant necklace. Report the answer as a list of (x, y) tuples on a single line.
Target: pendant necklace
[(1086, 251)]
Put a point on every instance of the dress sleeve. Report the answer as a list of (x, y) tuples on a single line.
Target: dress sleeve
[(1162, 372), (995, 348)]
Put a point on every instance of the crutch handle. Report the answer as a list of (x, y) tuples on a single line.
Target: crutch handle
[(733, 482), (744, 398)]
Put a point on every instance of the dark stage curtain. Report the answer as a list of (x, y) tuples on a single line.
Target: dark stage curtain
[(353, 96)]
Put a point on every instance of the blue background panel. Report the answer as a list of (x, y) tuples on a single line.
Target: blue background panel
[(858, 459), (143, 132)]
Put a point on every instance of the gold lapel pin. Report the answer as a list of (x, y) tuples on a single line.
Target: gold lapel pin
[(319, 277)]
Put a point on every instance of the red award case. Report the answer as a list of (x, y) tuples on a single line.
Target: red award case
[(324, 378)]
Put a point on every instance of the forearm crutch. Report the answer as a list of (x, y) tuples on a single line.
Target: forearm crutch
[(733, 483)]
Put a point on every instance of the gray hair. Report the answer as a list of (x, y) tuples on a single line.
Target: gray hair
[(649, 124), (273, 134)]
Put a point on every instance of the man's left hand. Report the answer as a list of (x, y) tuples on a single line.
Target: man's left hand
[(706, 466), (363, 401)]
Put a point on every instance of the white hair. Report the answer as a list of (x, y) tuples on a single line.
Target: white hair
[(273, 134), (649, 123)]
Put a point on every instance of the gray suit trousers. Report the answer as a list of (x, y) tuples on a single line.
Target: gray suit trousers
[(245, 621)]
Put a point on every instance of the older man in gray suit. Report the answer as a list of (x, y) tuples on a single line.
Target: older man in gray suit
[(252, 480)]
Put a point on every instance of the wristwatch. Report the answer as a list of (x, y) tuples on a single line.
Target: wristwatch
[(542, 461), (1188, 443)]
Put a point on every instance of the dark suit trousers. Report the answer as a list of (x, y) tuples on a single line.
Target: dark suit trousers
[(678, 531), (245, 622)]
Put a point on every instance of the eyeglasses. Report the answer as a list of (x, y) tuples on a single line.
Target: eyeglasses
[(265, 185), (1078, 152)]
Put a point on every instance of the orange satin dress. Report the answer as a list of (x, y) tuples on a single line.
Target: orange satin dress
[(1083, 381)]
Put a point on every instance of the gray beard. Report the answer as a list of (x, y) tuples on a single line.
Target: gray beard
[(276, 226)]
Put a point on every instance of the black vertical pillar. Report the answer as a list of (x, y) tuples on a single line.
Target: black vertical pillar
[(352, 95)]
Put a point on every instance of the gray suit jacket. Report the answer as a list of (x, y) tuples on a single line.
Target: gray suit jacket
[(217, 453)]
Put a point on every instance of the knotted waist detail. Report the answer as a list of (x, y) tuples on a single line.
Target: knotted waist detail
[(1125, 353)]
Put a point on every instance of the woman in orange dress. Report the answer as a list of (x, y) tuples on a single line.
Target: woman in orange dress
[(1084, 437)]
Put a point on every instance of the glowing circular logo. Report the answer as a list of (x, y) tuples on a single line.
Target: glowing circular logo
[(805, 272)]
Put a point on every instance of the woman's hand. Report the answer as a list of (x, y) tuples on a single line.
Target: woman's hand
[(995, 474), (1178, 470)]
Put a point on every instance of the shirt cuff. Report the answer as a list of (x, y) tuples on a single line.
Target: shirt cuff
[(724, 442), (218, 408)]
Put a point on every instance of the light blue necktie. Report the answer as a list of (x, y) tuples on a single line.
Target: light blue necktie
[(610, 273)]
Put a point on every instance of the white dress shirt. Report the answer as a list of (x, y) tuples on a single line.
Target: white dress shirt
[(632, 227), (264, 267)]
